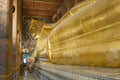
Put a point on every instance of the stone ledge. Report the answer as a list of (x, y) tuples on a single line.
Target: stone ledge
[(67, 72)]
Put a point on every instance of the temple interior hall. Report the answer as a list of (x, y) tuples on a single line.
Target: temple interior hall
[(59, 39)]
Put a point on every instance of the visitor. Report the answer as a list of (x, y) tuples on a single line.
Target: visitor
[(30, 62)]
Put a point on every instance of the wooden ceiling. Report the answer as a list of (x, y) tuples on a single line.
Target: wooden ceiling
[(42, 9)]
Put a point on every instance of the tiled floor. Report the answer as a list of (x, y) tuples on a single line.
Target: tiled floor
[(28, 76)]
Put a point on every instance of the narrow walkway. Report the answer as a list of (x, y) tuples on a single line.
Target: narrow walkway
[(28, 76)]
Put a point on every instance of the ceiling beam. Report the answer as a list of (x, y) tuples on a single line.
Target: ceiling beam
[(48, 1), (38, 11), (39, 4), (42, 14), (38, 15), (41, 8)]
